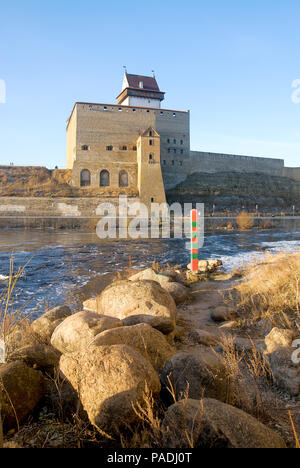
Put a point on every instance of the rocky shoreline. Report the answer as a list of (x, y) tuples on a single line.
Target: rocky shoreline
[(161, 358)]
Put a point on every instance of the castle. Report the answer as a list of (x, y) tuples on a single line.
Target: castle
[(137, 144)]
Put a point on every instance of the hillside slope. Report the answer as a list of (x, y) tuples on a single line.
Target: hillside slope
[(233, 190)]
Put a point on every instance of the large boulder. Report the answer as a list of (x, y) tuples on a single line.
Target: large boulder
[(110, 381), (286, 372), (45, 325), (21, 389), (176, 290), (40, 356), (179, 292), (145, 301), (149, 342), (78, 330), (209, 423), (151, 275), (278, 338), (195, 375)]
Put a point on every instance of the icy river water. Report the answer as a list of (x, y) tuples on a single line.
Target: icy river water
[(67, 267)]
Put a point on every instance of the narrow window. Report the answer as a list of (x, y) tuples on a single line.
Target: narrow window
[(109, 148), (168, 140), (174, 141), (181, 151), (180, 163), (124, 148), (152, 200), (104, 178), (85, 178), (151, 133), (85, 148), (181, 142), (134, 148), (151, 142), (169, 150), (173, 163), (164, 162), (174, 150)]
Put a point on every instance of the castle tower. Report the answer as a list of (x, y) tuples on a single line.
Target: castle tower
[(150, 180), (142, 91)]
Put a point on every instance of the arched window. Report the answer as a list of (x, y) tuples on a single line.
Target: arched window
[(123, 179), (85, 178), (104, 178)]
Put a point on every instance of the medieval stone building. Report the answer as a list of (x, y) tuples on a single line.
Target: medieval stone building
[(136, 144)]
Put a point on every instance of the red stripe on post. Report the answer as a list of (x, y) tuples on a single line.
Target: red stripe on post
[(194, 228)]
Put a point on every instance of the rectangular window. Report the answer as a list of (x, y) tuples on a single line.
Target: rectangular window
[(151, 142), (169, 150), (180, 163), (85, 148), (174, 150), (164, 162), (181, 142), (173, 163), (109, 148)]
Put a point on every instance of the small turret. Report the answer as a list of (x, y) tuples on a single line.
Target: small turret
[(140, 91)]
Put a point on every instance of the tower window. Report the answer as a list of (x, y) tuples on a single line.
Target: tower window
[(151, 157), (85, 178), (152, 200), (134, 148), (151, 142), (104, 178), (109, 148), (85, 148), (151, 133)]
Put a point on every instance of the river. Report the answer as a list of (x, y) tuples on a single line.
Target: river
[(68, 267)]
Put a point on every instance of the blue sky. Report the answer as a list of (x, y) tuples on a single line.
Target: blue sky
[(231, 63)]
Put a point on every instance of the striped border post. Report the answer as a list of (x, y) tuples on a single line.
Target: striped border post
[(194, 240)]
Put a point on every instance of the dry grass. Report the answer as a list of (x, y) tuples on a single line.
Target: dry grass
[(15, 329), (271, 291), (245, 221)]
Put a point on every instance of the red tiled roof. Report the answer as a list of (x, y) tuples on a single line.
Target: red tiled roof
[(149, 82)]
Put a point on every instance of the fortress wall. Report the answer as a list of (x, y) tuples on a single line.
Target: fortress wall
[(215, 162), (291, 172), (53, 207)]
